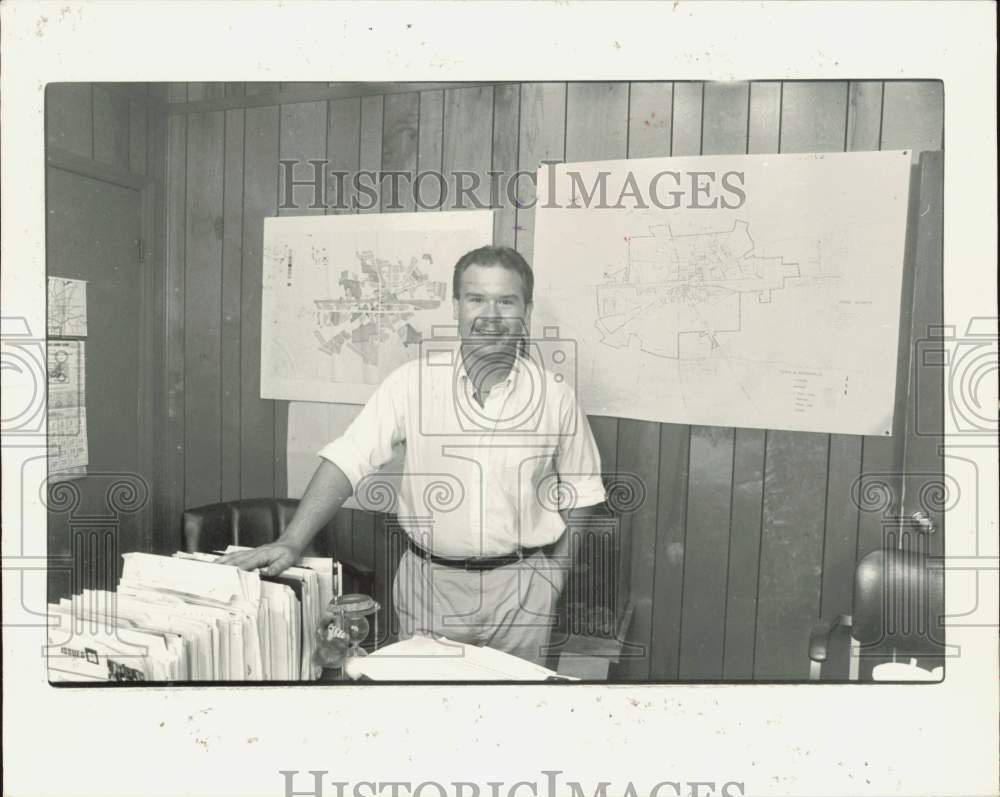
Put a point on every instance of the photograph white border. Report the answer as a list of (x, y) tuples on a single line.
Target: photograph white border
[(775, 740)]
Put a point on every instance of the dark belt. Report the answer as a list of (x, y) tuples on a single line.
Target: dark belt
[(472, 563)]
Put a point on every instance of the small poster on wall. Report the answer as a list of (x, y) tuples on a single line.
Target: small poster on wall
[(67, 314), (68, 451)]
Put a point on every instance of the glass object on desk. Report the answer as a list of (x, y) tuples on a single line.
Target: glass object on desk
[(345, 626)]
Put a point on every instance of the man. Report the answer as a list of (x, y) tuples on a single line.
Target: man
[(498, 453)]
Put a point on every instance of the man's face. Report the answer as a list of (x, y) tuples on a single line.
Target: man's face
[(490, 308)]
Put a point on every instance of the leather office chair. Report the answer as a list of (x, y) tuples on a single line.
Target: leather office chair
[(897, 614), (255, 521)]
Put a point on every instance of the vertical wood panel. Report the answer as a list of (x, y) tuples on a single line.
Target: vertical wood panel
[(111, 126), (260, 175), (596, 121), (343, 150), (202, 302), (744, 553), (650, 110), (164, 523), (706, 552), (172, 455), (158, 93), (431, 140), (205, 91), (399, 150), (69, 122), (914, 115), (725, 118), (302, 138), (669, 587), (260, 88), (864, 115), (791, 552), (137, 137), (710, 466), (542, 138), (764, 125), (468, 132), (864, 122), (813, 116), (597, 129), (841, 543), (232, 281), (506, 120), (649, 115), (370, 156), (688, 99), (813, 119)]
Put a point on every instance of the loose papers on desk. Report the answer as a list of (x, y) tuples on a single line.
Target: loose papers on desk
[(425, 658), (183, 617)]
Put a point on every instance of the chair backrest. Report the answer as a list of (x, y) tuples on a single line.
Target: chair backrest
[(899, 603), (250, 522)]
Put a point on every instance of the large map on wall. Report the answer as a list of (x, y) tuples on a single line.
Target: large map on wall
[(748, 291), (347, 299)]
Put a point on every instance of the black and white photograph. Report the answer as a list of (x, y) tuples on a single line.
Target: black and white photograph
[(629, 381), (475, 392)]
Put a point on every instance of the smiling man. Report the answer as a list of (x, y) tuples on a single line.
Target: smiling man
[(498, 455)]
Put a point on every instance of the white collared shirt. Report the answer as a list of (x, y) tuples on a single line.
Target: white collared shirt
[(478, 480)]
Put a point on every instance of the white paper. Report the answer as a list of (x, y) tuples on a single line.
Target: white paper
[(780, 311), (67, 312), (346, 299), (424, 658), (67, 408)]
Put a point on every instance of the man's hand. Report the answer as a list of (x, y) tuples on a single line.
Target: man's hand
[(271, 559), (327, 490)]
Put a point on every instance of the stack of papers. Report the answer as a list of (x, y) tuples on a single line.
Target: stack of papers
[(185, 618)]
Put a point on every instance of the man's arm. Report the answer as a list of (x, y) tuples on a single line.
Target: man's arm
[(327, 490), (364, 447)]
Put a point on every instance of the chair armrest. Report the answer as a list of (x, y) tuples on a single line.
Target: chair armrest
[(819, 638)]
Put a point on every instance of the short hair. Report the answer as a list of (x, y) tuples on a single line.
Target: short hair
[(503, 256)]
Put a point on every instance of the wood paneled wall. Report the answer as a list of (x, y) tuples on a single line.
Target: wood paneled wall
[(746, 536), (105, 168)]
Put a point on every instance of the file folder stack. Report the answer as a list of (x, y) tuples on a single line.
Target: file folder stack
[(185, 618)]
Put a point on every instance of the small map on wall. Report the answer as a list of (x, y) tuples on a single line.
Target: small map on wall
[(758, 291), (347, 299), (67, 311)]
